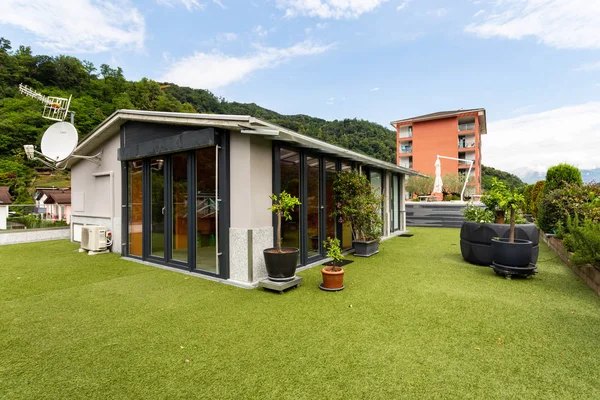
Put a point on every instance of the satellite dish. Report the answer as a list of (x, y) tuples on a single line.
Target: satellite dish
[(59, 141)]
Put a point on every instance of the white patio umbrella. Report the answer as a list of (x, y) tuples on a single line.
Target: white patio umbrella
[(438, 184)]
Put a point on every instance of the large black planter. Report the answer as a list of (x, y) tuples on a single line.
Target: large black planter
[(281, 267), (476, 240), (366, 249), (517, 254)]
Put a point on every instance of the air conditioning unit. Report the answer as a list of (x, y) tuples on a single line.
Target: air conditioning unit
[(93, 238)]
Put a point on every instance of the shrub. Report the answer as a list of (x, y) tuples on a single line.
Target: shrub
[(560, 174), (549, 212), (421, 186), (584, 241), (536, 197), (358, 204), (527, 192), (33, 222), (478, 214), (568, 202)]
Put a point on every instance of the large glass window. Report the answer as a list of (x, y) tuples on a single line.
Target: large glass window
[(206, 210), (330, 172), (289, 162), (312, 205), (180, 207), (395, 203), (134, 207), (346, 226), (157, 207)]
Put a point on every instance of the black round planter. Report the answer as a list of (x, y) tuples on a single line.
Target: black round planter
[(517, 254), (476, 240), (281, 267)]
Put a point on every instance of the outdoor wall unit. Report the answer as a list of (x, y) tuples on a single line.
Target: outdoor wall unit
[(93, 238)]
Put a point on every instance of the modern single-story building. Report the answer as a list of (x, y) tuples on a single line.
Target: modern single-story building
[(191, 191), (5, 201)]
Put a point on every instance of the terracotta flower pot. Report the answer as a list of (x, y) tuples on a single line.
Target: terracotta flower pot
[(332, 279)]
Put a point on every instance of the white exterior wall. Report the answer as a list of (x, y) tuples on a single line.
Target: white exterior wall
[(3, 216), (96, 193), (251, 231)]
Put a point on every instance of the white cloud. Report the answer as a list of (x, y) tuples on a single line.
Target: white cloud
[(403, 5), (334, 100), (328, 9), (83, 26), (191, 5), (568, 134), (478, 13), (260, 31), (214, 70), (564, 24), (375, 89), (438, 12), (589, 67), (227, 36)]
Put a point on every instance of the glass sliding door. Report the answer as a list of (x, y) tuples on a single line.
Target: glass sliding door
[(157, 207), (289, 163), (395, 203), (346, 238), (135, 211), (330, 222), (206, 210), (313, 205), (179, 207)]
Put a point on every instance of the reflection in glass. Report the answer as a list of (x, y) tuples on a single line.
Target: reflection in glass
[(180, 204), (377, 184), (330, 171), (289, 162), (312, 205), (157, 207), (395, 203), (346, 227), (206, 210), (134, 204)]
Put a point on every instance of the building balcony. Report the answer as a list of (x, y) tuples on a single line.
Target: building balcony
[(466, 127), (406, 137), (466, 145), (406, 149)]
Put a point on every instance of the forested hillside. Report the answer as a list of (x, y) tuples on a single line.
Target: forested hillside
[(99, 91)]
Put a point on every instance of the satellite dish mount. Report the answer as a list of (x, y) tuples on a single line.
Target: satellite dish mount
[(60, 139)]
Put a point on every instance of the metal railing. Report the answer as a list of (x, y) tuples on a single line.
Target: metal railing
[(464, 145), (406, 149), (466, 127)]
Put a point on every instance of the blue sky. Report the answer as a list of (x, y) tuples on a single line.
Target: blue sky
[(533, 64)]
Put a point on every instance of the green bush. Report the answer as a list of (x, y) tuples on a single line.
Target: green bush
[(549, 212), (568, 202), (583, 240), (527, 192), (536, 197), (478, 214), (560, 174), (33, 222)]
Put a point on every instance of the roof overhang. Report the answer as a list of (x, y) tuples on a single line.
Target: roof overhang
[(241, 123)]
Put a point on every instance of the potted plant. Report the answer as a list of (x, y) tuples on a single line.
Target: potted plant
[(280, 261), (511, 252), (479, 228), (359, 204), (333, 275)]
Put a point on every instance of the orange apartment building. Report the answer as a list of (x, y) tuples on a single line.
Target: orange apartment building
[(419, 140)]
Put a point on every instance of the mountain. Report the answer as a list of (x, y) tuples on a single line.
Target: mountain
[(488, 173), (531, 176)]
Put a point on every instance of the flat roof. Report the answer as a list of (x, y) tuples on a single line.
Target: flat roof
[(447, 114), (243, 123)]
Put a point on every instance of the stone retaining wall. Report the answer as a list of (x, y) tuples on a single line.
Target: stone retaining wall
[(588, 273), (16, 236)]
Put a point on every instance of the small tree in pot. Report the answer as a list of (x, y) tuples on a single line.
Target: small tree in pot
[(280, 261), (359, 204), (333, 275)]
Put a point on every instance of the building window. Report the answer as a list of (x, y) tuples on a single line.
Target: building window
[(289, 162), (134, 207)]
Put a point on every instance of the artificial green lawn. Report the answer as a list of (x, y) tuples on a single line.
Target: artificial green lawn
[(415, 321)]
